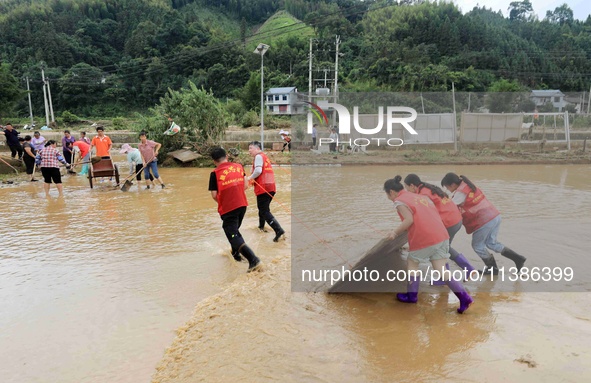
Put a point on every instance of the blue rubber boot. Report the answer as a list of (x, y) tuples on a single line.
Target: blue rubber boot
[(84, 170)]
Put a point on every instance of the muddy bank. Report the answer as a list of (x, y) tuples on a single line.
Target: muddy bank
[(258, 330)]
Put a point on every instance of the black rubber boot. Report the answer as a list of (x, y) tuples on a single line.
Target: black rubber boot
[(236, 243), (262, 225), (277, 229), (518, 259), (236, 255), (254, 263), (491, 266)]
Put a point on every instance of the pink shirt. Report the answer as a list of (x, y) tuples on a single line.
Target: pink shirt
[(83, 146), (147, 150)]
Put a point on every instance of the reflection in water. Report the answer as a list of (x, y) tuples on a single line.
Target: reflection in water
[(409, 343)]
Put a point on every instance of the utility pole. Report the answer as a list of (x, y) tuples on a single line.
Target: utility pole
[(453, 96), (336, 78), (46, 83), (45, 99), (336, 71), (309, 117), (30, 104), (50, 103)]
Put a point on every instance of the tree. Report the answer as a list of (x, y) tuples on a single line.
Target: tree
[(202, 117), (520, 10), (250, 94), (10, 92), (561, 15), (81, 86), (503, 97), (243, 32)]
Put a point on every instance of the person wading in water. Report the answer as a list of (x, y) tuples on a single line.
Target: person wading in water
[(263, 178), (481, 219), (227, 184), (427, 241)]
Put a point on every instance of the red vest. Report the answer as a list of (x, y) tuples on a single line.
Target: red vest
[(427, 228), (230, 179), (265, 182), (476, 210), (448, 210)]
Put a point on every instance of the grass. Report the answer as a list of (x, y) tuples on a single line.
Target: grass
[(214, 19), (280, 26)]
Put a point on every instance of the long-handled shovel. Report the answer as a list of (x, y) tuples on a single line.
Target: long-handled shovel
[(33, 175), (71, 170), (93, 160), (127, 184), (13, 168)]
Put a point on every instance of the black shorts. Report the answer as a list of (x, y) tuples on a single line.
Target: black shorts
[(50, 174)]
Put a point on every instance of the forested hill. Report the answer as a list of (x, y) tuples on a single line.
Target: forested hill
[(112, 56)]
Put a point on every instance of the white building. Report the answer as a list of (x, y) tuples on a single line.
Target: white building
[(542, 97), (283, 101)]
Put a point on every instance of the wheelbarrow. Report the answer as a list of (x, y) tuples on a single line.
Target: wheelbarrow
[(104, 168)]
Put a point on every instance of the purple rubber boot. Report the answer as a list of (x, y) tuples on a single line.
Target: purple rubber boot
[(460, 292), (439, 282), (464, 264), (411, 296)]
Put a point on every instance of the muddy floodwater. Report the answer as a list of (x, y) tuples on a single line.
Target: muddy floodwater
[(106, 286)]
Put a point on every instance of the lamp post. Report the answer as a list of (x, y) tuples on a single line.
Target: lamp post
[(260, 50)]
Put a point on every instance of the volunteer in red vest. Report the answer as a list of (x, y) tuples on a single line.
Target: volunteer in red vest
[(263, 179), (481, 219), (448, 211), (427, 240), (227, 185)]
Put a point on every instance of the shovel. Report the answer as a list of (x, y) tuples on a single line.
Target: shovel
[(9, 165), (71, 171), (127, 184), (94, 160)]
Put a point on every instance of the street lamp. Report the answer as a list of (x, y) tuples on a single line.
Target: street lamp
[(261, 49)]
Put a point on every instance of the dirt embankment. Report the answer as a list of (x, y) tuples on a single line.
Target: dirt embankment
[(432, 156)]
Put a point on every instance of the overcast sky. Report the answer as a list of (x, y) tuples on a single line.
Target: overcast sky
[(581, 8)]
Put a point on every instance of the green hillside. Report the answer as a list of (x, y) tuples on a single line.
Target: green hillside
[(281, 26), (114, 57)]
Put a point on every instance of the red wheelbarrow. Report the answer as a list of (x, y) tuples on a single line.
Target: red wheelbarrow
[(104, 168)]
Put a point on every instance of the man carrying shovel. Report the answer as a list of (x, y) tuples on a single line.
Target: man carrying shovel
[(136, 162), (149, 151)]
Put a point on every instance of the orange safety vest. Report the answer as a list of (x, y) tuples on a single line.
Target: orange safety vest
[(230, 180), (448, 210), (476, 209), (427, 228), (265, 182)]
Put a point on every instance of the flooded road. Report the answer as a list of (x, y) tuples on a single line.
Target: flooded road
[(260, 330), (95, 286)]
